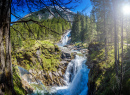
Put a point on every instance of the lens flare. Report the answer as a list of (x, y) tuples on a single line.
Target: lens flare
[(126, 9)]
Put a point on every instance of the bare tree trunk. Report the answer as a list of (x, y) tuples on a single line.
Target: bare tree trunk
[(115, 38), (6, 81), (127, 32), (105, 30), (121, 57)]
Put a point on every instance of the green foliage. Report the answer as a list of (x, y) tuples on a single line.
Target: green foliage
[(47, 59), (103, 72), (27, 31), (17, 82), (83, 29)]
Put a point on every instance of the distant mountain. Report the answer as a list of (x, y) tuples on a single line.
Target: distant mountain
[(50, 12)]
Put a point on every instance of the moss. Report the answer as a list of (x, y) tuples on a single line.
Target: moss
[(17, 82), (81, 45), (47, 60)]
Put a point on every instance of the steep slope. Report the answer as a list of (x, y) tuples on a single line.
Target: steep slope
[(50, 12)]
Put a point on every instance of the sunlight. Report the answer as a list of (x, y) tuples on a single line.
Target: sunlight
[(126, 9)]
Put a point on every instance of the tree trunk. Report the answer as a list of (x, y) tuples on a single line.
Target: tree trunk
[(121, 79), (105, 30), (6, 79), (127, 32), (115, 38)]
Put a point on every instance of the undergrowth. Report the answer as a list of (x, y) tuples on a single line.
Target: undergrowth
[(102, 74)]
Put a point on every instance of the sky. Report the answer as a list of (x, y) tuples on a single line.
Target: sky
[(84, 6)]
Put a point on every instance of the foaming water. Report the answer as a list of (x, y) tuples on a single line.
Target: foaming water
[(76, 78), (65, 38), (76, 75), (35, 83)]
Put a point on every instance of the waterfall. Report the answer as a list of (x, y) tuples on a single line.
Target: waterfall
[(76, 77), (73, 67), (65, 38)]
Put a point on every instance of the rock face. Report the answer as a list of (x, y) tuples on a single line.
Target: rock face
[(49, 14), (51, 78)]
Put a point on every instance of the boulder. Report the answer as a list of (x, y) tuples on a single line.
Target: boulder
[(66, 55), (84, 51)]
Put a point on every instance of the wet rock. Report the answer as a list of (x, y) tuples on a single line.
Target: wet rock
[(63, 62), (84, 51), (29, 89), (69, 40), (68, 60), (65, 45), (73, 54), (66, 55)]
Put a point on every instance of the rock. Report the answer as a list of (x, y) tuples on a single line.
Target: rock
[(65, 45), (60, 73), (66, 55), (63, 62), (69, 40), (73, 54), (68, 60), (56, 73), (50, 74), (84, 51), (29, 89)]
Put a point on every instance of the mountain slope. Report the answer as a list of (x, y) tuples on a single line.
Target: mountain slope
[(50, 12)]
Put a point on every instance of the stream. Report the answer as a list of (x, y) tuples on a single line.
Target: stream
[(75, 77)]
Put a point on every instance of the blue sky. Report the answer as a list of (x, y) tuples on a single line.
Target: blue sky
[(83, 5)]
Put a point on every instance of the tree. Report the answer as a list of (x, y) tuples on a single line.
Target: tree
[(83, 25), (76, 28)]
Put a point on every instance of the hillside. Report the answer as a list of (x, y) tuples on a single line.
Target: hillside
[(51, 12)]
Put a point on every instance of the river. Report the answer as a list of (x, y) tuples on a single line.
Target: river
[(76, 75)]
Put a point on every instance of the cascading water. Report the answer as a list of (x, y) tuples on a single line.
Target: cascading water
[(35, 83), (76, 78), (73, 67), (65, 38), (76, 75)]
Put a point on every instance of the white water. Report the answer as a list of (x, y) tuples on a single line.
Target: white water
[(64, 39), (74, 66), (76, 75), (37, 84)]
